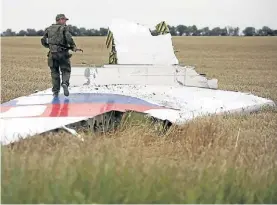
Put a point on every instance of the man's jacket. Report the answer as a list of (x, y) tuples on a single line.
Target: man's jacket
[(57, 38)]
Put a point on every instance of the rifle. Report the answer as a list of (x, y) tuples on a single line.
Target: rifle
[(77, 49), (68, 48)]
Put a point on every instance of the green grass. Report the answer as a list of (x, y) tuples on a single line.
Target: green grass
[(225, 159), (108, 180), (122, 167)]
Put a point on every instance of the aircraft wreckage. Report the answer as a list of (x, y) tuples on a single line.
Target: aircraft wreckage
[(143, 75)]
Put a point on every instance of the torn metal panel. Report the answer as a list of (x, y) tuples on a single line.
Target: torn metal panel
[(182, 103), (40, 112), (140, 75), (133, 43)]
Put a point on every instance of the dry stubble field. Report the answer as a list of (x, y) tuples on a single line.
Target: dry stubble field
[(226, 159)]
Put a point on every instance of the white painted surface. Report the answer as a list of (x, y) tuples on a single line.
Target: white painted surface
[(135, 44), (24, 111), (140, 75), (185, 103), (36, 100), (190, 102), (13, 129)]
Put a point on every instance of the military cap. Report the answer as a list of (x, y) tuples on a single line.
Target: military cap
[(60, 16)]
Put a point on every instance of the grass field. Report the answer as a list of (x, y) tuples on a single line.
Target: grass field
[(223, 159)]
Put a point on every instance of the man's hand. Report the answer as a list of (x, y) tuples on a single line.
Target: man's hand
[(75, 49)]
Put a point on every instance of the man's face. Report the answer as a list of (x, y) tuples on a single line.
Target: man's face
[(62, 21)]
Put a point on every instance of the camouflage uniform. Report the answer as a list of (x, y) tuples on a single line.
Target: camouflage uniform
[(59, 40)]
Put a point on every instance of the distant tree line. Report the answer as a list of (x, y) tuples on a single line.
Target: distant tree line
[(180, 30), (74, 30)]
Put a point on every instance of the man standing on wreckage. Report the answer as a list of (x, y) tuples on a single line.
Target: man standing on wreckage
[(59, 41)]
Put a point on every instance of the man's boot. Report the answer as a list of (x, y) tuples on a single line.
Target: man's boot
[(65, 90), (55, 94)]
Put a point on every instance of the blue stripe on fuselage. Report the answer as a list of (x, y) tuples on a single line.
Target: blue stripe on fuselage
[(91, 98), (100, 98)]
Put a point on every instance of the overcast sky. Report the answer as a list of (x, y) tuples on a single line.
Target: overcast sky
[(38, 14)]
